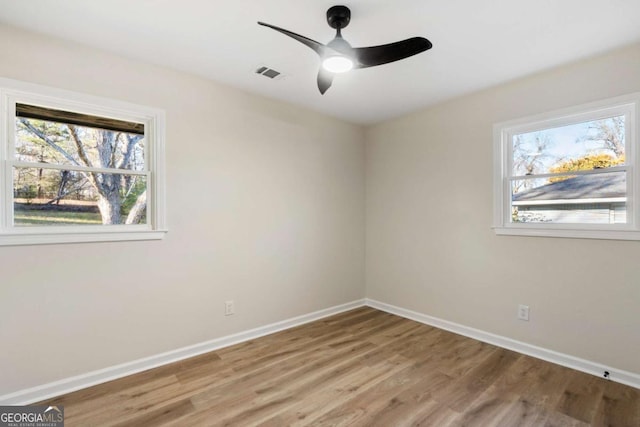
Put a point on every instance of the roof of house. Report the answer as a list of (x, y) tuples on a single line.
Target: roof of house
[(599, 186)]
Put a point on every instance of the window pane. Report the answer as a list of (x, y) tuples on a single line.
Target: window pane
[(582, 199), (43, 141), (51, 197), (584, 146)]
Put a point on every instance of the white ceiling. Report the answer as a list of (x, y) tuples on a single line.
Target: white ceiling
[(477, 44)]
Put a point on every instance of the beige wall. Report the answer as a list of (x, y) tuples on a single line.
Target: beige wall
[(266, 207), (430, 247)]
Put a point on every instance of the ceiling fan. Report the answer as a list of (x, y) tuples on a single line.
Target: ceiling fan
[(338, 56)]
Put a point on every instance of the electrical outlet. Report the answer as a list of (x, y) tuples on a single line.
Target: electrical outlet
[(523, 312), (228, 308)]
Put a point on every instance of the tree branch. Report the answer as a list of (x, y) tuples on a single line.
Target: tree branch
[(65, 194), (47, 140), (81, 151)]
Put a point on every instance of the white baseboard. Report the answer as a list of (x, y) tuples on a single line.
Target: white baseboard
[(593, 368), (68, 385)]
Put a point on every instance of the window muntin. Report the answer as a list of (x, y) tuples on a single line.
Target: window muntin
[(569, 173), (77, 168)]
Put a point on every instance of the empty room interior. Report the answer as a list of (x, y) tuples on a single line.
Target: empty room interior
[(315, 213)]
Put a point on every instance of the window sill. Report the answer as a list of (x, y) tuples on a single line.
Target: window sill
[(568, 233), (17, 239)]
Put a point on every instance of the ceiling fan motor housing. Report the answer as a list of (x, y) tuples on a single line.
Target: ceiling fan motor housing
[(338, 17)]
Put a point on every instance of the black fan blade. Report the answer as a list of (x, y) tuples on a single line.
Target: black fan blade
[(319, 48), (325, 79), (383, 54)]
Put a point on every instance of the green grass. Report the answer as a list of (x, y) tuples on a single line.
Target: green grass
[(45, 217)]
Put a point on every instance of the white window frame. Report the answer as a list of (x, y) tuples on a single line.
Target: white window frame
[(12, 92), (627, 105)]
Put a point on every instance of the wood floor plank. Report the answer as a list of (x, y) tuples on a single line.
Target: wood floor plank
[(364, 407), (581, 397), (161, 415), (401, 399), (461, 392), (322, 394), (619, 406), (486, 411), (125, 404), (539, 382), (363, 368), (434, 414), (323, 399)]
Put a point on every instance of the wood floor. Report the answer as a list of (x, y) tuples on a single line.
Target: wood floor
[(359, 368)]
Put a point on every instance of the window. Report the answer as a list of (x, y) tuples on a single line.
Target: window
[(569, 173), (76, 168)]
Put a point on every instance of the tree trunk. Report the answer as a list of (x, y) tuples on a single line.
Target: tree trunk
[(138, 209), (64, 178), (109, 206), (39, 195)]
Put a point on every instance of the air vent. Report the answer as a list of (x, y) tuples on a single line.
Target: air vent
[(269, 72)]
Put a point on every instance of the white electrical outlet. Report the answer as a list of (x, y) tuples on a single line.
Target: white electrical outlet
[(228, 308), (523, 312)]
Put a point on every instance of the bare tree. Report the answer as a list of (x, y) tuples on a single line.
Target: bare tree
[(608, 134), (529, 155)]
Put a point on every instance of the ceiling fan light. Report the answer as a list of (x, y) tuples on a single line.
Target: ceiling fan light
[(337, 64)]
